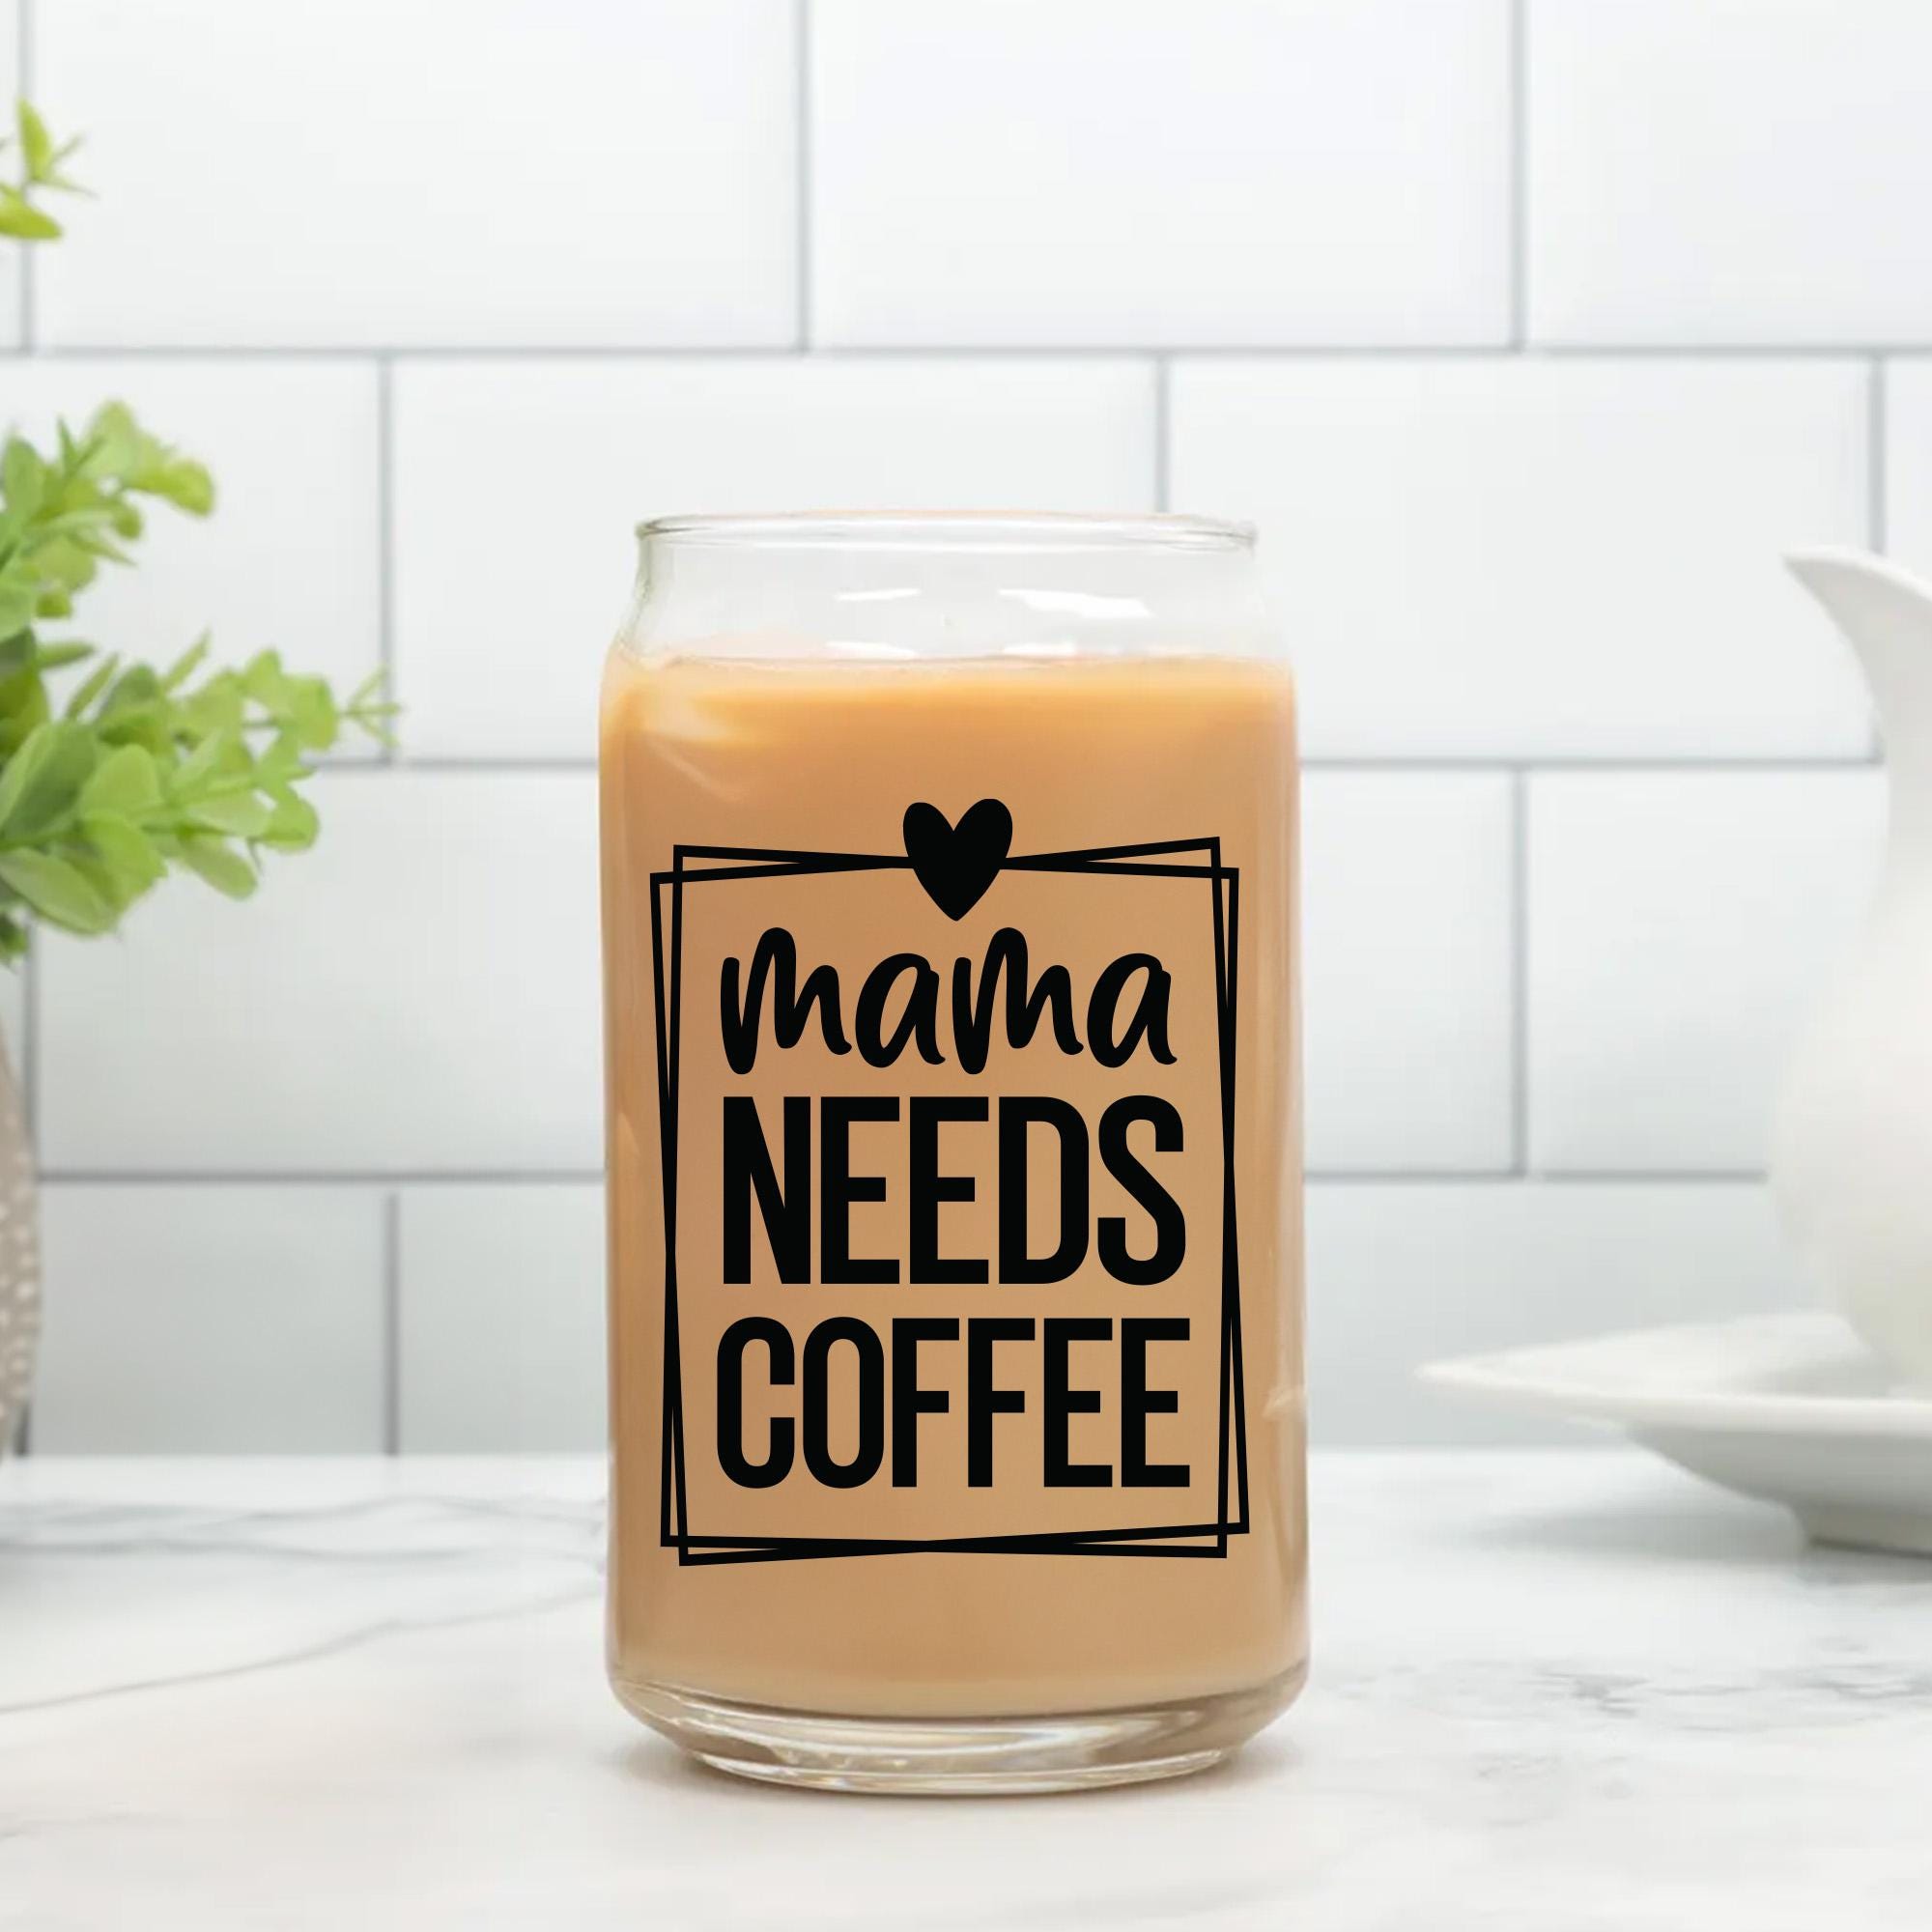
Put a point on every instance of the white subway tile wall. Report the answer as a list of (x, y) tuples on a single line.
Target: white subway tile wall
[(500, 1337), (1733, 172), (380, 173), (207, 1318), (1406, 984), (10, 286), (1530, 330), (1680, 924), (1133, 171), (1524, 557), (1908, 451), (419, 993)]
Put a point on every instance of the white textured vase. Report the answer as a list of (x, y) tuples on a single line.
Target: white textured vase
[(1852, 1134)]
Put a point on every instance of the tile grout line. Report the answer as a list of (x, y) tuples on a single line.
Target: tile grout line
[(322, 1176), (1519, 972), (386, 540), (1163, 432), (30, 1109), (802, 175), (1608, 765), (30, 1068), (1876, 454), (23, 58), (30, 1087), (1518, 172), (392, 1183), (1536, 1176), (392, 1322), (1476, 765), (1497, 350)]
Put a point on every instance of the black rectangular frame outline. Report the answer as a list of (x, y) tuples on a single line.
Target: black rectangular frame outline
[(1168, 1540)]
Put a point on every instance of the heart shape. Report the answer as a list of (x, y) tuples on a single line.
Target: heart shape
[(955, 864)]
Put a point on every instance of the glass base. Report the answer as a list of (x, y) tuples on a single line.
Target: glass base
[(959, 1756)]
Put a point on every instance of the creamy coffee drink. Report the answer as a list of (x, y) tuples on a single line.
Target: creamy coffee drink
[(955, 1192)]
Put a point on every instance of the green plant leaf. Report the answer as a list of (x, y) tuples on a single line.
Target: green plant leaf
[(58, 891), (23, 709), (125, 782), (20, 220), (239, 814), (136, 686), (113, 441), (92, 685), (220, 704), (18, 601), (57, 657), (199, 766), (22, 768), (185, 666), (37, 145), (368, 689), (50, 794), (312, 713), (293, 825), (51, 175), (62, 563), (217, 862), (24, 477), (265, 680), (94, 542), (126, 852), (280, 764), (186, 485)]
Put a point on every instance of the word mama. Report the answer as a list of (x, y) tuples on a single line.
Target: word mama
[(1111, 1041)]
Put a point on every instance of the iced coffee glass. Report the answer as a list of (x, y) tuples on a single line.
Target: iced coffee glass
[(953, 1150)]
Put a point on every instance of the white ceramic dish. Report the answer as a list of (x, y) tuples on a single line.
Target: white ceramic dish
[(1791, 1408)]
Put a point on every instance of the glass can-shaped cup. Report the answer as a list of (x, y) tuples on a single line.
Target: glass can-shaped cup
[(954, 1167)]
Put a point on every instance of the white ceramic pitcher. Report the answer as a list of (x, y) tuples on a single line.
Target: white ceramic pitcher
[(1852, 1134)]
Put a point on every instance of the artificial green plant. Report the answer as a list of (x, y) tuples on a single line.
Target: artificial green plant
[(113, 774)]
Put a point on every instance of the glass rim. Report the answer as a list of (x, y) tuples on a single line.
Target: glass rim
[(961, 530)]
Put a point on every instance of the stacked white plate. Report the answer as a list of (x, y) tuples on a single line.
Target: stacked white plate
[(1792, 1408)]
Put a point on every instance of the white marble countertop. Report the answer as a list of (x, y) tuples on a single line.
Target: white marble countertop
[(1551, 1691)]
